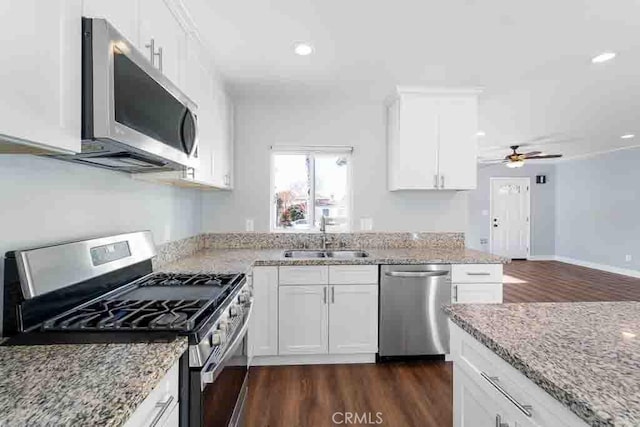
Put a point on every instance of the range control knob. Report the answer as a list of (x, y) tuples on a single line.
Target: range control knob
[(217, 338), (223, 325), (234, 310), (244, 297)]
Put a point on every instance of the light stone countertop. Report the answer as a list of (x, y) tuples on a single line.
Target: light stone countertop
[(585, 355), (80, 385), (241, 260)]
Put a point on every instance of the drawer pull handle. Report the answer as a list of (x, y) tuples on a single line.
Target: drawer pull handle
[(478, 274), (163, 408), (525, 409)]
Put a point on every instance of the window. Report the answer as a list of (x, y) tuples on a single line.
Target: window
[(307, 184)]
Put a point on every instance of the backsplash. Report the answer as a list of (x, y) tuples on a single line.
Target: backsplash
[(334, 240), (173, 251)]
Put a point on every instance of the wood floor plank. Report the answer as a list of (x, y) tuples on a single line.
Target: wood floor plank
[(410, 394)]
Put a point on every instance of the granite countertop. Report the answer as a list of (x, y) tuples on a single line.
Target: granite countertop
[(585, 355), (241, 260), (87, 384)]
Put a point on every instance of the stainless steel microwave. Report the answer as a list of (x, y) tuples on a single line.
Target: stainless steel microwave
[(134, 118)]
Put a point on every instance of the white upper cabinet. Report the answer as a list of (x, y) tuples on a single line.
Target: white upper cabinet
[(122, 14), (41, 76), (162, 39), (431, 137)]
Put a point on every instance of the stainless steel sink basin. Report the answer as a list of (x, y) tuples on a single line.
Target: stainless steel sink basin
[(304, 254), (325, 254), (347, 254)]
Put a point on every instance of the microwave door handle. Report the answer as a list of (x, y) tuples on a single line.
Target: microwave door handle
[(206, 376)]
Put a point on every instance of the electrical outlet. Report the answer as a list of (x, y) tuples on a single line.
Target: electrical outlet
[(627, 258), (248, 225)]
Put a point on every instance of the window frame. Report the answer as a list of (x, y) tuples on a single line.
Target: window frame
[(312, 152)]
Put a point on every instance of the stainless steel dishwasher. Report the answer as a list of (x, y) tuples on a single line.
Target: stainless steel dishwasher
[(412, 322)]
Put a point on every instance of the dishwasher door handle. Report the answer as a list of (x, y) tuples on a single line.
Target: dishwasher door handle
[(414, 274)]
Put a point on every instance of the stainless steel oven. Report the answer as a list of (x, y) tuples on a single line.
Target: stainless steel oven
[(134, 118), (219, 388)]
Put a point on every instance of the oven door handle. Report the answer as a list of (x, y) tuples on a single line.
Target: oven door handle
[(208, 376)]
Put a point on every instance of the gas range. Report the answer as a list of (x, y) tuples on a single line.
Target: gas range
[(104, 291)]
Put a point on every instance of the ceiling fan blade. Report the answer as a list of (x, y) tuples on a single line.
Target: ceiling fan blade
[(492, 160), (532, 153), (549, 156)]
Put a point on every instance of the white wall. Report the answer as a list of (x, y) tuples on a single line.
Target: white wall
[(47, 201), (260, 124)]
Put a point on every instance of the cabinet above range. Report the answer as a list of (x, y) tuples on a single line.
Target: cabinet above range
[(431, 139), (43, 91)]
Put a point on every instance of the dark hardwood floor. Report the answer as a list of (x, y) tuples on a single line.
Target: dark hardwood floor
[(553, 281), (410, 394), (396, 394)]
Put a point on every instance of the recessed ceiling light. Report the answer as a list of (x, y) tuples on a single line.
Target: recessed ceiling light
[(603, 57), (303, 49), (627, 136), (480, 133)]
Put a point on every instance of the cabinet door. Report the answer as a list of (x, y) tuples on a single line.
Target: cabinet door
[(414, 163), (353, 319), (223, 140), (41, 75), (122, 14), (458, 148), (263, 335), (477, 293), (158, 23), (199, 87), (303, 315), (474, 406)]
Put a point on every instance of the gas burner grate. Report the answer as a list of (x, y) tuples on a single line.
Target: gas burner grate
[(132, 315), (179, 279)]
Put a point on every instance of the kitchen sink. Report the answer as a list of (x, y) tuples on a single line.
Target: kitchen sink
[(304, 254), (346, 254), (325, 254)]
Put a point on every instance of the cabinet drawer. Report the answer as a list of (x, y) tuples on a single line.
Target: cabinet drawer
[(470, 355), (476, 273), (304, 275), (353, 274), (158, 405), (476, 293)]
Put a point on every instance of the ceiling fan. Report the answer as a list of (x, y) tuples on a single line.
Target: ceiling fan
[(517, 160)]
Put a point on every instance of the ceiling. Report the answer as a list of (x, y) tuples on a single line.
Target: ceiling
[(533, 60)]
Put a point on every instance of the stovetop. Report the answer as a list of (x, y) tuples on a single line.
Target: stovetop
[(161, 302)]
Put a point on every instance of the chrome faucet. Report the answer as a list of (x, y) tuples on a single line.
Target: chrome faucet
[(323, 230)]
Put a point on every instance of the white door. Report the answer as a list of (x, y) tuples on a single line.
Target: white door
[(457, 146), (353, 319), (41, 74), (510, 217), (263, 335), (303, 319)]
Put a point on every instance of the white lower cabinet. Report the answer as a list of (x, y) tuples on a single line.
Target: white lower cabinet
[(303, 320), (489, 392), (161, 406), (314, 314), (476, 283), (475, 407), (263, 334), (477, 293), (353, 319)]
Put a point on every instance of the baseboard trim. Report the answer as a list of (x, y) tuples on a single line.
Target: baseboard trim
[(313, 359), (541, 258), (604, 267)]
